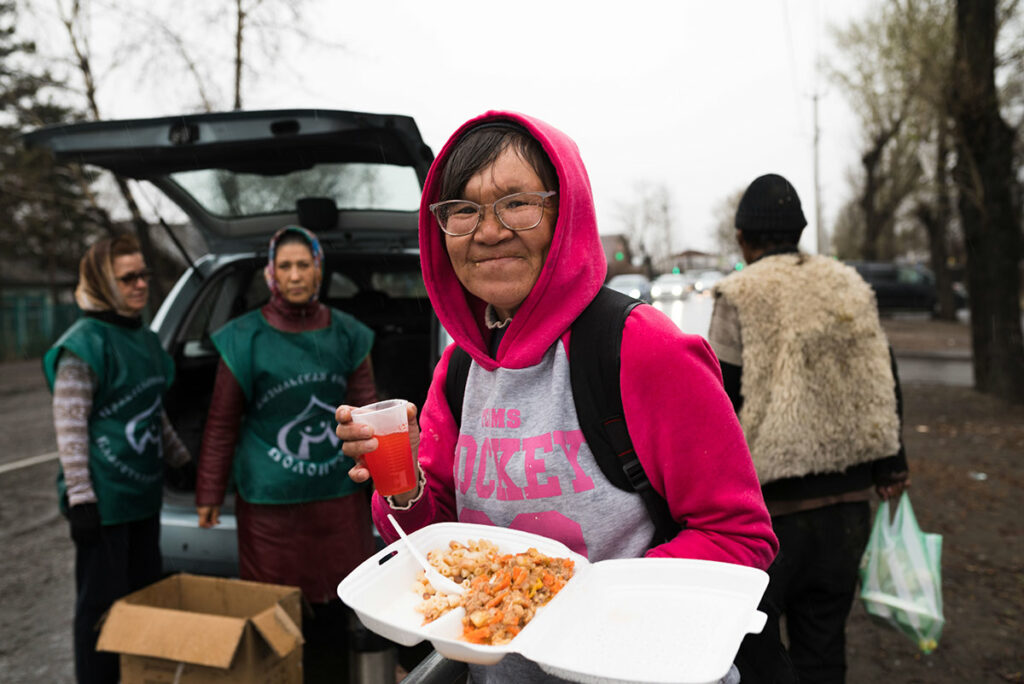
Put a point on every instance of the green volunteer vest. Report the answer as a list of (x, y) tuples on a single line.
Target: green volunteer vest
[(288, 451), (125, 426)]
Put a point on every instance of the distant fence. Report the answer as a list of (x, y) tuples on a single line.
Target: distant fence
[(30, 322)]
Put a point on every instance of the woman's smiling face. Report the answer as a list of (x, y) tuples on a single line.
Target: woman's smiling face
[(498, 265)]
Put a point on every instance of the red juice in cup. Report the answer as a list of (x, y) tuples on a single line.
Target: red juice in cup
[(390, 464)]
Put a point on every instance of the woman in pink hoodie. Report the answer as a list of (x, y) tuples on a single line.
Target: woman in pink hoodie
[(511, 256)]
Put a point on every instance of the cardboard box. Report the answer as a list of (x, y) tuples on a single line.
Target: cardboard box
[(191, 629)]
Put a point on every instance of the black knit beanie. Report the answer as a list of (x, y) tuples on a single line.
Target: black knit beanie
[(770, 205)]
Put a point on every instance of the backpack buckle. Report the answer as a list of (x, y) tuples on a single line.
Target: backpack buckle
[(634, 471)]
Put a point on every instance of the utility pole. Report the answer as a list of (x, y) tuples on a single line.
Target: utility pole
[(818, 227)]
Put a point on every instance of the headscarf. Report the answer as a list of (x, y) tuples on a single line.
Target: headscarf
[(314, 246), (97, 291)]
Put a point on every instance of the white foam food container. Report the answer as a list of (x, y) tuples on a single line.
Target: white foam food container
[(649, 620)]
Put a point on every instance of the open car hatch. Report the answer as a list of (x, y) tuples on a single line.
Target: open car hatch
[(239, 175)]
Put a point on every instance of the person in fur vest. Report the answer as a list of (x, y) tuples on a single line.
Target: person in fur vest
[(810, 373)]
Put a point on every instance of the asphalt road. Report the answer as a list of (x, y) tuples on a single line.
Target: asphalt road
[(37, 562)]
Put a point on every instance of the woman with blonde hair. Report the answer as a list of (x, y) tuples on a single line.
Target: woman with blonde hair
[(108, 374)]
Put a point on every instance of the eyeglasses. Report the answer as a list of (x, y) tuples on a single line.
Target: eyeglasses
[(131, 278), (518, 211)]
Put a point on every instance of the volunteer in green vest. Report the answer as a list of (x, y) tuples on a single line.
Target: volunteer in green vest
[(284, 367), (108, 374)]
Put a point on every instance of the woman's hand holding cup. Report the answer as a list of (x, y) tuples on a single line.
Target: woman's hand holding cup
[(384, 443)]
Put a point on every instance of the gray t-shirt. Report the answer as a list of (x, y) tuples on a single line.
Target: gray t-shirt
[(522, 463)]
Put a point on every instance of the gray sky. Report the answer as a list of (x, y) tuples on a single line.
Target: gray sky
[(701, 96)]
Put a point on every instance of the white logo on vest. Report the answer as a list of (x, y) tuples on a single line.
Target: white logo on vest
[(138, 439), (295, 438)]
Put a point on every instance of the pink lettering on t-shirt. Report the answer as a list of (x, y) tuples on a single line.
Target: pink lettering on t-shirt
[(553, 525), (465, 455), (484, 485), (535, 467), (469, 515), (502, 449), (570, 442)]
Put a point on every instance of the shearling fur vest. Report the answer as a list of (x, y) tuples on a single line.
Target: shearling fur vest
[(817, 382)]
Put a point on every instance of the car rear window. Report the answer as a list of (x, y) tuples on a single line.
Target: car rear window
[(230, 194)]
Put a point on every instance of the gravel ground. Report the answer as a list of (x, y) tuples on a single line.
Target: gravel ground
[(966, 452)]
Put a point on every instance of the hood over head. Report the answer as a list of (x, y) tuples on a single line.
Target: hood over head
[(572, 274)]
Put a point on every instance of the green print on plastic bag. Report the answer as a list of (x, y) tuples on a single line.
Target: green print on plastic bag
[(901, 575)]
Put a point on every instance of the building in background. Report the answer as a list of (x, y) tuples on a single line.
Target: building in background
[(688, 260), (619, 256)]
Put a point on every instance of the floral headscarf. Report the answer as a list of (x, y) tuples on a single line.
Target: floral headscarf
[(314, 247)]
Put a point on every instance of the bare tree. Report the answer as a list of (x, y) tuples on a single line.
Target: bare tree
[(188, 36), (647, 223), (725, 226), (902, 59), (883, 86), (46, 211), (989, 206), (72, 17), (848, 232), (929, 48), (935, 215)]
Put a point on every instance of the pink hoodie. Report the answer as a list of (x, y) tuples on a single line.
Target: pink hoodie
[(682, 424)]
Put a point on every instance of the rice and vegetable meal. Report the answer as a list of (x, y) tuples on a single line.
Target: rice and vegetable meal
[(503, 591)]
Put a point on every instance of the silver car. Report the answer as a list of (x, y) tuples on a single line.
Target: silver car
[(636, 285), (354, 178), (669, 286)]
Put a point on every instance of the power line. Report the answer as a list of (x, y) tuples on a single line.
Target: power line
[(789, 48)]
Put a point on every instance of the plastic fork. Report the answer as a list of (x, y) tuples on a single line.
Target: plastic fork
[(436, 579)]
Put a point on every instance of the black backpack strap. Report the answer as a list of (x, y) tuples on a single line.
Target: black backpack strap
[(594, 363), (455, 382)]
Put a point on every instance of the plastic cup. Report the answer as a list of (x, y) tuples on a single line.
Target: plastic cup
[(390, 464)]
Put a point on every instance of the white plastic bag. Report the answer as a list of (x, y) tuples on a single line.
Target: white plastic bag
[(901, 576)]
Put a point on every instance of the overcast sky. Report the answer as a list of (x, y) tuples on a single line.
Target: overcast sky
[(701, 96)]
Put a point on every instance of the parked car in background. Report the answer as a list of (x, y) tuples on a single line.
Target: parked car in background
[(635, 285), (669, 286), (353, 178), (899, 287), (705, 280)]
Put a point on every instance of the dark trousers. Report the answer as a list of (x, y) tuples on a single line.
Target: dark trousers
[(325, 653), (125, 558), (812, 583)]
